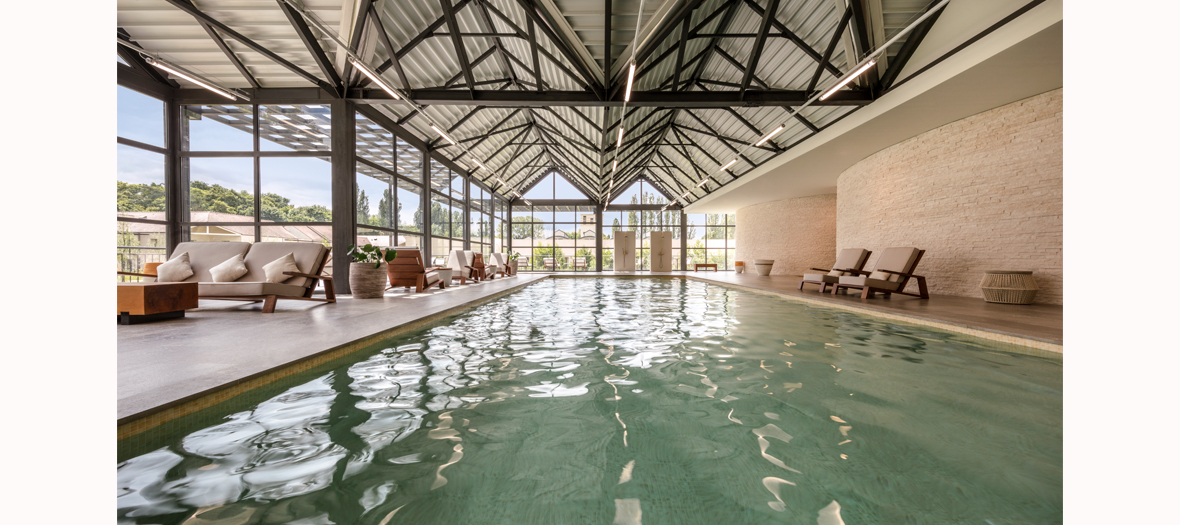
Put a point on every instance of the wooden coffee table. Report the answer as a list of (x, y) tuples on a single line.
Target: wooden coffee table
[(696, 267), (145, 302)]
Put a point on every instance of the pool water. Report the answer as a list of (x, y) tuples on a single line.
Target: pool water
[(629, 400)]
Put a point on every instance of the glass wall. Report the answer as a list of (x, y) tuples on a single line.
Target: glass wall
[(554, 236), (711, 239), (388, 195), (447, 223), (141, 234)]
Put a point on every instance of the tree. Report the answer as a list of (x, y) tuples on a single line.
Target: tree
[(587, 255), (362, 208), (140, 197), (522, 229), (384, 211)]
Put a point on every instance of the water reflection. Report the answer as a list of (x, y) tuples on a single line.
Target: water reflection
[(630, 400)]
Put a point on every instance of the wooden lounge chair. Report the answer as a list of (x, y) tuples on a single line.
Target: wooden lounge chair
[(310, 258), (480, 269), (849, 260), (894, 269), (548, 263), (501, 260), (407, 270), (524, 263), (580, 262)]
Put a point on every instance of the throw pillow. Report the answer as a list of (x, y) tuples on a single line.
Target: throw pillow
[(175, 270), (229, 271), (274, 270)]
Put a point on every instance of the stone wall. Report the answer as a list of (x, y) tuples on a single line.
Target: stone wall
[(981, 193), (796, 233)]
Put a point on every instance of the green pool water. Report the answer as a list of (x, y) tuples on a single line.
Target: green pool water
[(656, 401)]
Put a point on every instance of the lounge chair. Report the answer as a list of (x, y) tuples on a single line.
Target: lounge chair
[(548, 263), (310, 259), (501, 260), (483, 271), (849, 260), (524, 263), (460, 263), (407, 270), (580, 262), (894, 269)]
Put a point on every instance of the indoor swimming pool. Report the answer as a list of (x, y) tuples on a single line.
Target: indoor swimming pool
[(625, 400)]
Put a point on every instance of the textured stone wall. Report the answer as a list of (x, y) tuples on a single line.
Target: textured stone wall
[(981, 193), (797, 233)]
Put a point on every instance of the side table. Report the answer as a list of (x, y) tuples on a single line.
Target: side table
[(145, 302)]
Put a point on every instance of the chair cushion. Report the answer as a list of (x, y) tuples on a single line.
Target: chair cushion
[(175, 270), (248, 289), (230, 270), (861, 280), (458, 262), (275, 269), (821, 278), (853, 258), (205, 255), (897, 260), (308, 257), (431, 277)]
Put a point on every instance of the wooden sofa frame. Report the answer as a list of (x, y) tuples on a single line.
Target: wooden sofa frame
[(408, 270), (823, 285)]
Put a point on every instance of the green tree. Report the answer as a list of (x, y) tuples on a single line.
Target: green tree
[(362, 208), (139, 197), (586, 254), (384, 210)]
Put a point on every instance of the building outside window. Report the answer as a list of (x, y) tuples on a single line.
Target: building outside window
[(141, 234)]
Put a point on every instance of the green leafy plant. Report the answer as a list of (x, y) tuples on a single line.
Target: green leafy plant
[(515, 255), (371, 254)]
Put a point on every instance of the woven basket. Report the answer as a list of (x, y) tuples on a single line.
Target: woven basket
[(1008, 287)]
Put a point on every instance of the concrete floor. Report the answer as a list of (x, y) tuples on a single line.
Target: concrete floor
[(164, 363), (223, 343)]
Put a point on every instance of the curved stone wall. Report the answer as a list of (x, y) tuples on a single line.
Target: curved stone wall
[(796, 233), (978, 194)]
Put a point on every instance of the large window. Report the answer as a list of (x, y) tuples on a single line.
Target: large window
[(388, 195), (141, 236), (257, 173), (447, 223), (711, 239), (554, 235)]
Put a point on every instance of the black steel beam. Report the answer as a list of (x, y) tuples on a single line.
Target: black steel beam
[(375, 16), (681, 99), (819, 69), (196, 13), (790, 35), (912, 41), (354, 43), (760, 42), (457, 41), (139, 64), (421, 37), (860, 31), (530, 10), (536, 59), (233, 58), (336, 85), (680, 53), (658, 35)]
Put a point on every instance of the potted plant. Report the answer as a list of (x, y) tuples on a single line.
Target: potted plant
[(513, 263), (739, 266), (366, 275)]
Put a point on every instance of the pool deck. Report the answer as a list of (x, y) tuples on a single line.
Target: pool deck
[(224, 347)]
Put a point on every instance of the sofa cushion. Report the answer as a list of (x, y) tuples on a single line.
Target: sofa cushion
[(896, 260), (238, 289), (853, 258), (276, 270), (175, 270), (229, 271), (861, 280), (308, 257), (821, 278), (203, 256)]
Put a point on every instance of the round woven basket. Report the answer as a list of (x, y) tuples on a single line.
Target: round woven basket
[(1008, 287)]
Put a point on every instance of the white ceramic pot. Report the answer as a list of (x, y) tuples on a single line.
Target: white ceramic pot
[(444, 275), (365, 281), (762, 266), (739, 268)]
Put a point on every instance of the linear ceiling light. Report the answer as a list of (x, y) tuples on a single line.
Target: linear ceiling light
[(769, 136), (615, 167), (728, 164), (374, 77), (620, 143), (847, 79), (480, 164), (191, 77), (630, 79), (444, 135), (704, 182)]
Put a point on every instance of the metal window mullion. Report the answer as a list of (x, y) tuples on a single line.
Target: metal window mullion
[(257, 181)]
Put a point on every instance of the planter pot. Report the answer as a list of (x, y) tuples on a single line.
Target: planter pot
[(367, 282), (1008, 287), (762, 266), (513, 264), (739, 267), (444, 275)]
